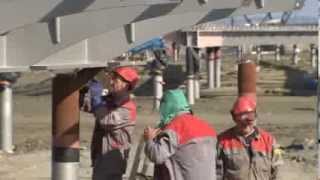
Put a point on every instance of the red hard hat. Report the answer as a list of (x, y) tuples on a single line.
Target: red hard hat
[(244, 104), (129, 74)]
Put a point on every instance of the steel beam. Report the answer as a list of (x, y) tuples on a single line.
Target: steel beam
[(21, 54), (27, 12)]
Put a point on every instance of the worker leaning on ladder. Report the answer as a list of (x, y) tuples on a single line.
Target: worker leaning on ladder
[(246, 152), (184, 149), (115, 120)]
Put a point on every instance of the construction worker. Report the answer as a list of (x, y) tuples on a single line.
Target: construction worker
[(246, 152), (181, 147), (115, 121)]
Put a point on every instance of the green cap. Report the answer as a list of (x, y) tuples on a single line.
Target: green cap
[(172, 103)]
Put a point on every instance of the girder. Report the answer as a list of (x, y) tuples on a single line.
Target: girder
[(17, 13), (30, 45)]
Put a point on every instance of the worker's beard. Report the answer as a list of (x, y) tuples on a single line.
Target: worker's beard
[(246, 127)]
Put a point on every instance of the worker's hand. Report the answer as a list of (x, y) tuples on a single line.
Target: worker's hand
[(150, 133)]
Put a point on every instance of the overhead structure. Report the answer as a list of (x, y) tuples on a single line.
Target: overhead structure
[(90, 35)]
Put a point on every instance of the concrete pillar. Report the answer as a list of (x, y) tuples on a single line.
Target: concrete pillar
[(190, 75), (65, 128), (313, 54), (217, 67), (277, 53), (157, 90), (6, 141), (295, 56), (210, 72), (259, 55)]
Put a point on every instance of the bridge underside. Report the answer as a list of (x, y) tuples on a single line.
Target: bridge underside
[(90, 36), (254, 37)]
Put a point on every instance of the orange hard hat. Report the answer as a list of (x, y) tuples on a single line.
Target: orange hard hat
[(128, 74), (244, 104)]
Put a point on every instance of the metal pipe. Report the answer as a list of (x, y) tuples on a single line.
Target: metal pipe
[(295, 56), (240, 51), (190, 75), (318, 125), (313, 55), (247, 78), (259, 56), (210, 72), (65, 127), (6, 140), (190, 89), (196, 88), (217, 67), (157, 90), (277, 53)]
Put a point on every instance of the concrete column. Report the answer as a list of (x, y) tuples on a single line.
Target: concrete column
[(210, 72), (295, 56), (157, 90), (277, 53), (190, 75), (65, 128), (6, 141), (259, 55), (217, 67), (313, 54)]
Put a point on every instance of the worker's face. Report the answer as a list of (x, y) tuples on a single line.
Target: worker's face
[(117, 84), (245, 121)]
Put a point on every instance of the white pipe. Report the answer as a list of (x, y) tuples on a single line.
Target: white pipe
[(211, 74), (295, 57), (318, 125), (6, 144), (65, 170), (277, 53), (190, 89), (313, 57), (197, 88), (217, 73), (157, 90), (259, 56)]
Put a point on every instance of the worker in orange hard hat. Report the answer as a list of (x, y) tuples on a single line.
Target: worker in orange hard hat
[(115, 120), (246, 151)]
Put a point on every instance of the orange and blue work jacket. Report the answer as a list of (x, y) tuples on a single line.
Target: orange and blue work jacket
[(251, 158)]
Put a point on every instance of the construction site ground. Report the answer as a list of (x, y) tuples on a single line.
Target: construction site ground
[(286, 108)]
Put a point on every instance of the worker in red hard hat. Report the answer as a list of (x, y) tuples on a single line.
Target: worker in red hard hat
[(246, 151), (115, 121)]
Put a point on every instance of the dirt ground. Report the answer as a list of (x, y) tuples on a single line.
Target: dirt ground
[(285, 108)]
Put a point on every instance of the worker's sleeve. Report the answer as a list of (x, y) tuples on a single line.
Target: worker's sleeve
[(114, 119), (276, 160), (162, 147), (219, 162)]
